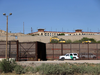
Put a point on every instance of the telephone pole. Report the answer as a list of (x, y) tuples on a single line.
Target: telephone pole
[(23, 27), (31, 30), (6, 52)]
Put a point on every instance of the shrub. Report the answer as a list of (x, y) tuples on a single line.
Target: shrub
[(54, 41), (27, 69), (7, 66), (98, 41), (32, 70), (68, 41), (19, 69), (92, 40), (77, 41)]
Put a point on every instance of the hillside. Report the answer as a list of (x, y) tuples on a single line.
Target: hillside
[(46, 39)]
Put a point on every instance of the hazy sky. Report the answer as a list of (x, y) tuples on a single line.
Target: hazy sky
[(51, 15)]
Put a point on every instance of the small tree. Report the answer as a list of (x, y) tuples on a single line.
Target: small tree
[(98, 41), (68, 41), (92, 40), (77, 41), (84, 39), (54, 41)]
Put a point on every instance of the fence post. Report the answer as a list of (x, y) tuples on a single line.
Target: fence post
[(36, 51), (61, 49), (88, 51), (70, 48), (17, 50), (97, 52), (79, 50), (53, 51)]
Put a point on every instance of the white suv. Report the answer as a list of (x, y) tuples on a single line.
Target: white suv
[(72, 56)]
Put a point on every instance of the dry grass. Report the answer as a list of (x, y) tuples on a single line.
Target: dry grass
[(19, 74)]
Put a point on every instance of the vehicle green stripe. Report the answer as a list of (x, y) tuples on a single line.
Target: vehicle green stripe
[(71, 57)]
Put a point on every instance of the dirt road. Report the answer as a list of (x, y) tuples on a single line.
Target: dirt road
[(37, 63)]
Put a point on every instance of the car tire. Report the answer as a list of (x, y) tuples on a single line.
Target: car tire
[(62, 58), (94, 57), (74, 58)]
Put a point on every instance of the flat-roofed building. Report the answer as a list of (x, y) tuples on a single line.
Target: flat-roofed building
[(42, 32)]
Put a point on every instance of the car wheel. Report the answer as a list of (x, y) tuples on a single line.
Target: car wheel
[(94, 57), (74, 58), (63, 58)]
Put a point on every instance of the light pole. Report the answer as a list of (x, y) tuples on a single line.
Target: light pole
[(6, 35)]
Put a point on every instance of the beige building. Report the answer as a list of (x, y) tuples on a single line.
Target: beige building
[(41, 32)]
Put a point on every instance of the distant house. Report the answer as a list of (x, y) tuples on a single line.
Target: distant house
[(41, 32), (1, 31)]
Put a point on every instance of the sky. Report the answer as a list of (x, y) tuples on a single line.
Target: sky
[(51, 15)]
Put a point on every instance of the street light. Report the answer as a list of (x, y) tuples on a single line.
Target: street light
[(6, 34)]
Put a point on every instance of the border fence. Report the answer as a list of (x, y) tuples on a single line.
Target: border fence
[(85, 51), (19, 50), (32, 51)]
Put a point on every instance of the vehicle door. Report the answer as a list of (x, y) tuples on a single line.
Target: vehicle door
[(67, 56), (71, 56)]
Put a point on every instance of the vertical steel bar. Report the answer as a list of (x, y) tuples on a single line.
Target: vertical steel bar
[(36, 49), (88, 51), (20, 51), (53, 51), (70, 48), (79, 50), (97, 52), (61, 49), (17, 50)]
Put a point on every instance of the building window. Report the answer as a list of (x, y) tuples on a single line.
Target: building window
[(45, 34), (41, 33), (54, 33), (48, 34)]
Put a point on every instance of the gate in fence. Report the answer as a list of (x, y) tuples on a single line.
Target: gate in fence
[(27, 51)]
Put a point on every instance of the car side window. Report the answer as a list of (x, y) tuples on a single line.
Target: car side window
[(70, 54), (75, 54), (67, 54)]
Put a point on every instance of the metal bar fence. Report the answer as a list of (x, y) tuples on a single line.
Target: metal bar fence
[(85, 51)]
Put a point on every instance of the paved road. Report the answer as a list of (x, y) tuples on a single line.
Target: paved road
[(37, 63)]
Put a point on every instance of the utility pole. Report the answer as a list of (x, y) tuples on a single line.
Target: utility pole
[(62, 29), (6, 39), (23, 27), (31, 30), (6, 51)]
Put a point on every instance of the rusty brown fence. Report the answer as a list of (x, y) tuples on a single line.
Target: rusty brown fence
[(85, 51), (27, 51), (19, 50), (12, 49), (32, 51)]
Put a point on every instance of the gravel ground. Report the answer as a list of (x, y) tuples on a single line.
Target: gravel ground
[(37, 63)]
